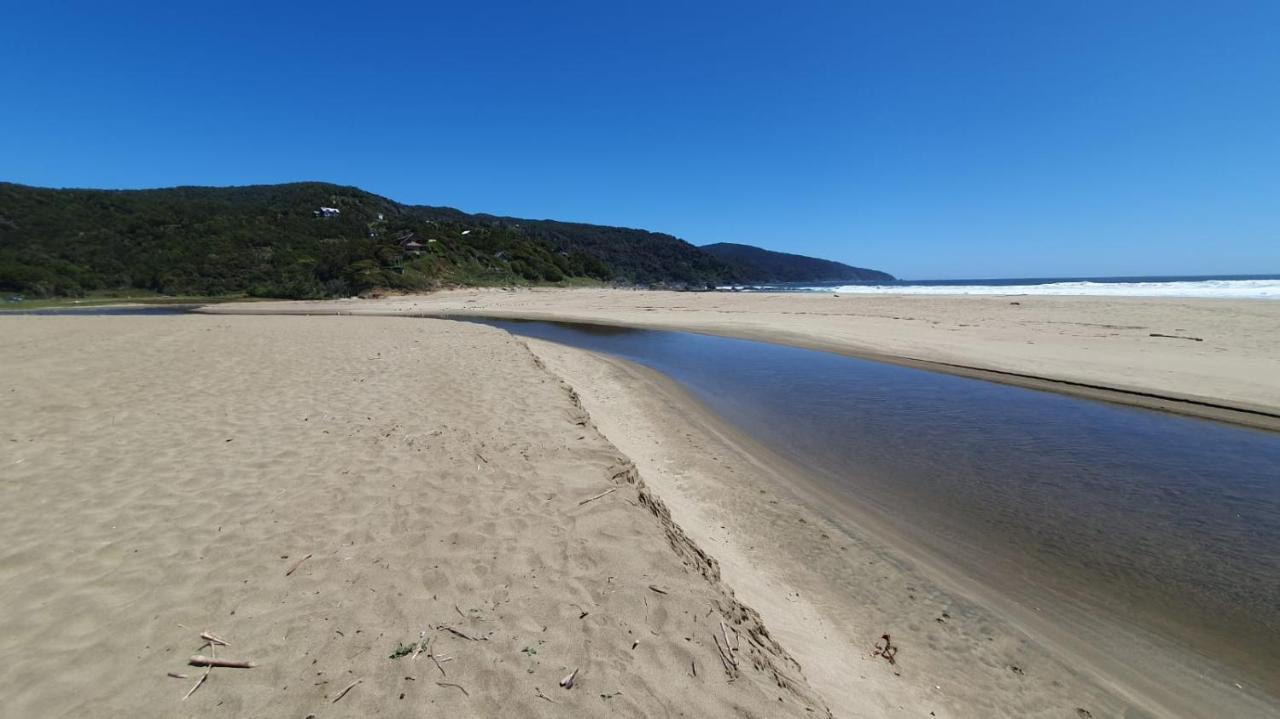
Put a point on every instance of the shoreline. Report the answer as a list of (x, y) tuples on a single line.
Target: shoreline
[(1085, 655), (1242, 391)]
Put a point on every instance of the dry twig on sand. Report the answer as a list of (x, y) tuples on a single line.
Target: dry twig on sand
[(464, 635), (598, 496), (297, 564), (729, 661), (422, 640), (211, 639), (343, 693), (200, 660), (725, 630), (656, 589), (889, 652), (208, 668), (457, 686)]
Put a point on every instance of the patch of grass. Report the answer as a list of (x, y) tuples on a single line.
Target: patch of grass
[(403, 649)]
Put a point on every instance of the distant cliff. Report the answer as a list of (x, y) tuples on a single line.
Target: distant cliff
[(754, 264)]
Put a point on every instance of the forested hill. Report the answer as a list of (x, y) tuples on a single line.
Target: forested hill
[(311, 240), (767, 266)]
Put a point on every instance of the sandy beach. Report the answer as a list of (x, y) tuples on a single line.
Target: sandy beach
[(526, 508), (162, 476), (1203, 357)]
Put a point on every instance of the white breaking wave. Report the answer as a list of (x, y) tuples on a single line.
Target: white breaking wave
[(1233, 289)]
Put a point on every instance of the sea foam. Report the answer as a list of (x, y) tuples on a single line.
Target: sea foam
[(1233, 289)]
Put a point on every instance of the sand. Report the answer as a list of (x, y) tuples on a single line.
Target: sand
[(828, 580), (1204, 357), (160, 475)]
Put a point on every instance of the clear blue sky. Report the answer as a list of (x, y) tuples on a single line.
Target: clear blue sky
[(931, 139)]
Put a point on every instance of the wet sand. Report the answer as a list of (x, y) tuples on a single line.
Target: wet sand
[(1203, 357), (829, 577)]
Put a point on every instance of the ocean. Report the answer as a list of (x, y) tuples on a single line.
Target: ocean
[(1259, 287)]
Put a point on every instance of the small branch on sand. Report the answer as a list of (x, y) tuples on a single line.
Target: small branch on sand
[(656, 589), (1177, 337), (567, 682), (726, 657), (888, 651), (200, 660), (538, 692), (176, 675), (725, 630), (297, 564), (598, 496), (213, 639), (459, 687), (462, 634), (422, 642), (200, 681), (213, 649), (343, 693)]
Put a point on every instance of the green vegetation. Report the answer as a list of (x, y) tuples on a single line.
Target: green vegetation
[(277, 241), (768, 266), (403, 650)]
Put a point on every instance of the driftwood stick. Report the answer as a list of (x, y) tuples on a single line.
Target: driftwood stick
[(656, 589), (598, 496), (343, 693), (297, 564), (176, 675), (200, 660)]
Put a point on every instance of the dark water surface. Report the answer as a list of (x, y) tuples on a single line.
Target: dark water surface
[(1168, 522)]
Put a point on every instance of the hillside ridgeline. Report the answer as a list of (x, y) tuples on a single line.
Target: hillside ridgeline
[(313, 240)]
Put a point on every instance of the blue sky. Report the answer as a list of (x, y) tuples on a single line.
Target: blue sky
[(941, 139)]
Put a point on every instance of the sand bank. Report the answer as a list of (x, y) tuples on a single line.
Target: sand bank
[(829, 579), (1212, 358), (159, 476)]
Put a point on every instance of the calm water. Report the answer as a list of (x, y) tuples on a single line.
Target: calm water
[(1166, 521)]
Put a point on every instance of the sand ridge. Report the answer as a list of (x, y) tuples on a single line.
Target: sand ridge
[(161, 474)]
